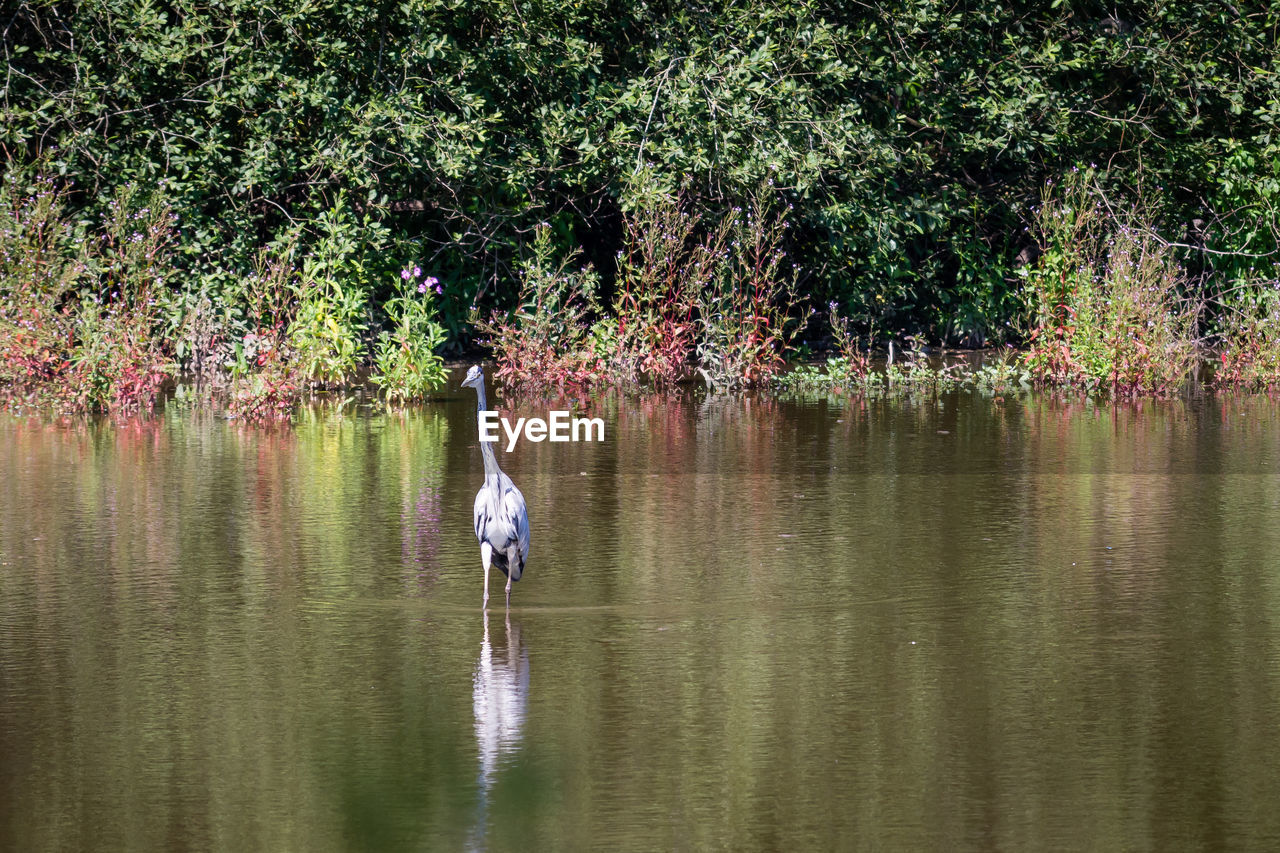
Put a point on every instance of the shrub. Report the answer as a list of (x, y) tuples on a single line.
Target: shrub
[(80, 326), (332, 314), (845, 377), (406, 363), (1002, 373), (266, 381), (723, 295), (269, 393), (1249, 354), (661, 270), (847, 371), (746, 308), (548, 340), (39, 273), (325, 334), (119, 362), (1108, 299), (915, 375), (851, 364)]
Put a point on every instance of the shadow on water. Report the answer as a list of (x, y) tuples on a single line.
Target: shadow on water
[(500, 702)]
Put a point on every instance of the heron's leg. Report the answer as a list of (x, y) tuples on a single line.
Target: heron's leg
[(486, 555), (513, 554), (511, 649)]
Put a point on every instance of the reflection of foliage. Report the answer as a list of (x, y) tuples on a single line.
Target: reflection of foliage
[(1250, 336), (413, 444), (253, 656)]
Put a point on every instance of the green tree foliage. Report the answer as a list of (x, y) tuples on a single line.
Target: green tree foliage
[(912, 138)]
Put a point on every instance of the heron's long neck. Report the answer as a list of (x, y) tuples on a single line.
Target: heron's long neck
[(486, 447)]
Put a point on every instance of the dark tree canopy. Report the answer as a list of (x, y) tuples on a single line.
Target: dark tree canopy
[(911, 139)]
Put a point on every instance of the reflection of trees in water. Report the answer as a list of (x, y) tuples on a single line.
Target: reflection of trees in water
[(500, 701), (413, 447), (420, 536), (1042, 687)]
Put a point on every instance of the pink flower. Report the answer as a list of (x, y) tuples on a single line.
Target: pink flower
[(404, 274), (422, 288), (417, 271)]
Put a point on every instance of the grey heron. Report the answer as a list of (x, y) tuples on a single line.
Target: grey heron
[(501, 520)]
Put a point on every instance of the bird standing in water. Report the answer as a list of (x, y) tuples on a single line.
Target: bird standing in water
[(501, 520)]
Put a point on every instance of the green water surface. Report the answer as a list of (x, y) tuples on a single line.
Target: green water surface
[(746, 624)]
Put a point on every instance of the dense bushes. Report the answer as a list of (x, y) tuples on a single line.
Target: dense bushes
[(1249, 340), (1110, 305), (548, 339), (88, 322), (912, 141), (1110, 308), (82, 316), (715, 299)]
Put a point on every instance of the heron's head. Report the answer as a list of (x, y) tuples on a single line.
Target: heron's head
[(474, 377)]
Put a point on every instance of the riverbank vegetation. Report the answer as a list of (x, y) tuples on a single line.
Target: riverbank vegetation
[(276, 201), (718, 302)]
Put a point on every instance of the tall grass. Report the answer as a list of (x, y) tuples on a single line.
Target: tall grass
[(748, 309), (96, 317), (662, 268), (1249, 336), (1110, 306), (81, 309), (717, 299), (266, 380), (546, 340), (849, 372)]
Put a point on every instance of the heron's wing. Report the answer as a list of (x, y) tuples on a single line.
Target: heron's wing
[(516, 517), (484, 513)]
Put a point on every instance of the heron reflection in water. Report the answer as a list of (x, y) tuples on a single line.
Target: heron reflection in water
[(500, 701)]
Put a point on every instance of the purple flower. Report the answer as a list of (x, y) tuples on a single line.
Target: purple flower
[(404, 274), (417, 271), (431, 280), (422, 288), (439, 289)]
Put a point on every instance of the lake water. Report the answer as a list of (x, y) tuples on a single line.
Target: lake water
[(747, 624)]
